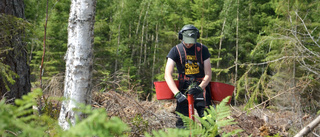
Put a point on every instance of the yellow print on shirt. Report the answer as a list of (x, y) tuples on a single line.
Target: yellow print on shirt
[(191, 66), (191, 57)]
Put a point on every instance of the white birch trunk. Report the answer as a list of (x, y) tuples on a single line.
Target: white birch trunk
[(154, 54), (222, 37), (237, 50), (137, 31), (117, 53), (79, 60), (119, 38)]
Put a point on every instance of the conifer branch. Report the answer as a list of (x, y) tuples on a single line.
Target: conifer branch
[(267, 62), (304, 25)]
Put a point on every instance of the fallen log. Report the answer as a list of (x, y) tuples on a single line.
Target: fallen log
[(307, 129)]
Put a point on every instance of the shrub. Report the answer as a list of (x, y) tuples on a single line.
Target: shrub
[(214, 119)]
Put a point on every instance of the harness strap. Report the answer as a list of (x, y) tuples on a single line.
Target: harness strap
[(183, 56), (198, 53), (184, 78)]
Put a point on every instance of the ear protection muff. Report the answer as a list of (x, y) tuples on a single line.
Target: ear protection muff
[(188, 27)]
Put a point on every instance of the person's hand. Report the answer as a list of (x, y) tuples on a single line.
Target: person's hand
[(180, 97), (195, 90)]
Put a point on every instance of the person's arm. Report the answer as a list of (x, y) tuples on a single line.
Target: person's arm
[(168, 76), (207, 74)]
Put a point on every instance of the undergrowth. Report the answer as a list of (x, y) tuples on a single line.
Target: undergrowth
[(208, 126), (21, 120)]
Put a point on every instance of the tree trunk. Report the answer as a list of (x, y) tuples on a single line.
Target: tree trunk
[(142, 40), (145, 45), (12, 7), (220, 45), (141, 45), (237, 48), (136, 35), (117, 52), (154, 54), (201, 22), (79, 60), (119, 38), (16, 57), (309, 127), (222, 37)]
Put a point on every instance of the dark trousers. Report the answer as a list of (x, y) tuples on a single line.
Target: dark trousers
[(199, 105), (183, 109)]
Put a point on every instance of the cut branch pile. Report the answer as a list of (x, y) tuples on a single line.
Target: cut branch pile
[(141, 116), (145, 116)]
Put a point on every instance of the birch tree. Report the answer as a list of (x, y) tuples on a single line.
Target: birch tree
[(237, 52), (79, 60)]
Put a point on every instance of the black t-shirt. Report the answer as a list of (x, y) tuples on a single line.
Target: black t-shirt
[(191, 65)]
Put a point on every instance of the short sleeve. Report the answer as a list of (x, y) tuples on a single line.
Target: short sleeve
[(205, 52), (173, 54)]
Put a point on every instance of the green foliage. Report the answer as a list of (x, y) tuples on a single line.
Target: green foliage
[(267, 31), (97, 124), (19, 120), (280, 51), (276, 135), (56, 36), (170, 132), (213, 120), (7, 75), (139, 123), (285, 65), (49, 108)]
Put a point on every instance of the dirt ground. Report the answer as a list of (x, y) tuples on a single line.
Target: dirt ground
[(144, 116)]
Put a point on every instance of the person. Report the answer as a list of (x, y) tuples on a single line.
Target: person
[(194, 67)]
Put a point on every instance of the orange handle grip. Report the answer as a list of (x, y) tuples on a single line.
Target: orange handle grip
[(191, 106)]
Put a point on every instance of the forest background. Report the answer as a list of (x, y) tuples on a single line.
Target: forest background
[(268, 49)]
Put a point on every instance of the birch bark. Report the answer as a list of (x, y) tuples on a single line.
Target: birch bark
[(79, 60)]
